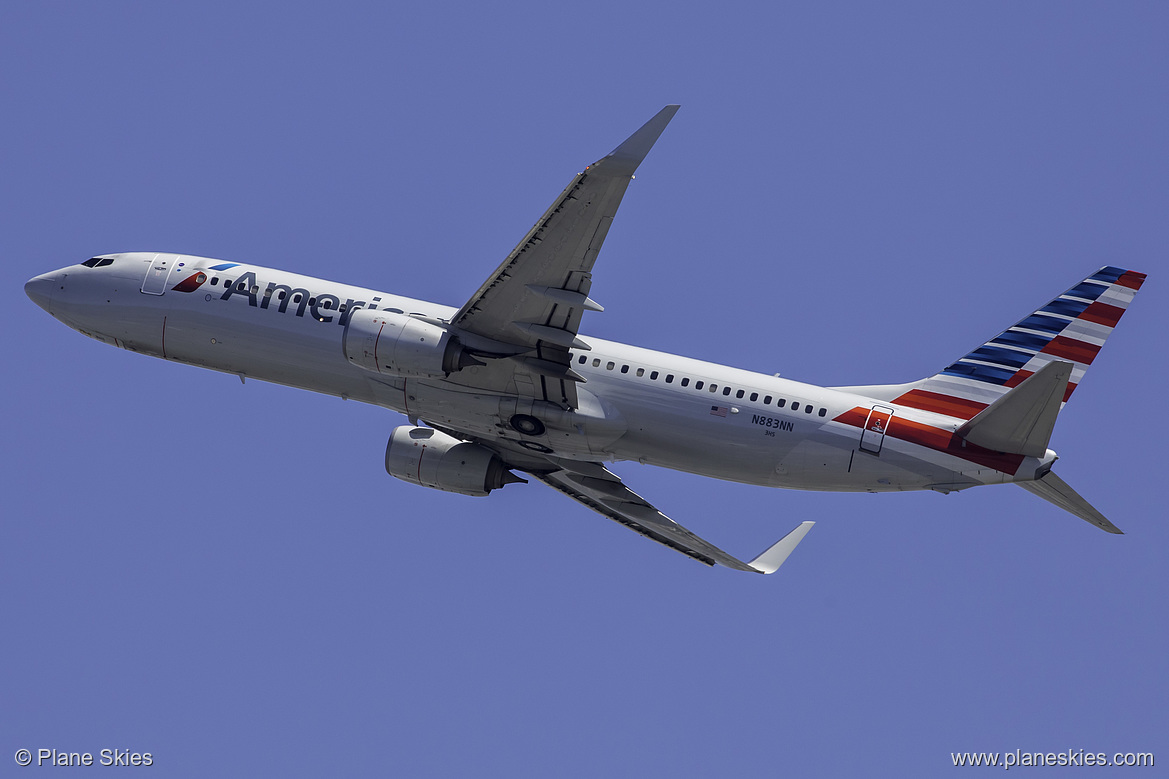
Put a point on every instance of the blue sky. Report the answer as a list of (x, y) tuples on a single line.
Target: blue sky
[(224, 575)]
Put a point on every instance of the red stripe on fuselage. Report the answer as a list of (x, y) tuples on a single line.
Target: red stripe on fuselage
[(945, 441)]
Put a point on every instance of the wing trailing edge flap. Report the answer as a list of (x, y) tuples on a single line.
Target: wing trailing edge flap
[(594, 486), (1021, 421), (1058, 492)]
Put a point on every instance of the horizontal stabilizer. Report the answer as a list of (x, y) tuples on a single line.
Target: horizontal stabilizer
[(1057, 491), (1021, 421)]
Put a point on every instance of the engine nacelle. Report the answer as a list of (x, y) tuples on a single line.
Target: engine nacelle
[(400, 345), (434, 459)]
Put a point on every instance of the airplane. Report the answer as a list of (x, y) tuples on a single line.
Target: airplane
[(506, 383)]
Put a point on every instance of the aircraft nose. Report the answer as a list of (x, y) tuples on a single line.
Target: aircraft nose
[(40, 289)]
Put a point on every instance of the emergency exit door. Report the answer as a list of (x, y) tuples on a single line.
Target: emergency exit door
[(873, 436)]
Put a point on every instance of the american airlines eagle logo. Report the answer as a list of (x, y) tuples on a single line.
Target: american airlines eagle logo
[(196, 279), (191, 283)]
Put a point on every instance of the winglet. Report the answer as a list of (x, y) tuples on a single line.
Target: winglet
[(769, 561), (626, 157)]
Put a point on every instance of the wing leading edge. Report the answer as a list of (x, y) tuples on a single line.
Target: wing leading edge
[(525, 318), (527, 313), (603, 491)]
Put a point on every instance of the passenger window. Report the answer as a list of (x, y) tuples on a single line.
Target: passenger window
[(214, 281), (739, 394), (808, 408), (698, 385), (781, 402), (767, 401), (685, 380), (581, 359), (640, 372), (795, 406), (669, 378), (610, 366), (727, 391), (596, 362), (256, 288), (754, 396), (823, 411), (653, 376), (714, 388), (282, 294), (625, 369)]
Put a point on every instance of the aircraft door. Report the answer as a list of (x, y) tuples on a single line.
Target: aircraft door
[(156, 277), (873, 436)]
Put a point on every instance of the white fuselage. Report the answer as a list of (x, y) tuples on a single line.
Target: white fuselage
[(636, 404)]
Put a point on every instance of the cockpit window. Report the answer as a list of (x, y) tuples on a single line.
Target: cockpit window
[(98, 262)]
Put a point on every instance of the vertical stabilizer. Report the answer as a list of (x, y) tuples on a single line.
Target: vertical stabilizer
[(1072, 328)]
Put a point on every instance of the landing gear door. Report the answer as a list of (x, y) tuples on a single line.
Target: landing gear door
[(873, 436), (157, 275)]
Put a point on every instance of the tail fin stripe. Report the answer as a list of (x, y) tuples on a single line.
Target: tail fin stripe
[(941, 404), (1103, 314), (964, 387), (999, 355), (1068, 349), (1047, 324), (1086, 331), (1067, 307), (1109, 274), (1023, 340), (1120, 297), (1132, 280), (981, 372), (1087, 290)]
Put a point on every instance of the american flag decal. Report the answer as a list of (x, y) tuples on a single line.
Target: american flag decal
[(718, 411)]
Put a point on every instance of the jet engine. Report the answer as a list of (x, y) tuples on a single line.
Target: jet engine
[(434, 459), (400, 345)]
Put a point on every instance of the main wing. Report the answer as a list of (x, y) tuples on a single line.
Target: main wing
[(603, 491), (527, 313)]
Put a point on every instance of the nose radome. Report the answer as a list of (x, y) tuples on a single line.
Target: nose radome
[(40, 289)]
